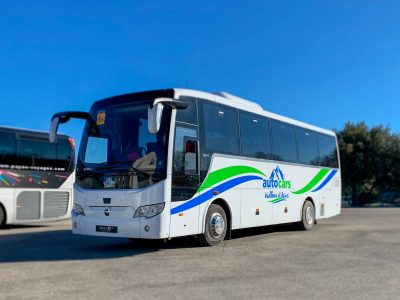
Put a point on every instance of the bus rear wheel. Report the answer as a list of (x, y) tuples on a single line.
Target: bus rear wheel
[(216, 226), (307, 216)]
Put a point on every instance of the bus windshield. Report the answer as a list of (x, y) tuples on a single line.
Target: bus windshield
[(120, 153)]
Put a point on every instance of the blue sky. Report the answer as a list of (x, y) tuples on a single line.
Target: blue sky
[(322, 62)]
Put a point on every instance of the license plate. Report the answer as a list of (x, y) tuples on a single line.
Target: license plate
[(108, 229)]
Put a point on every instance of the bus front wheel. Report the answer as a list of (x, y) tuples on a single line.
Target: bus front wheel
[(216, 226), (307, 216)]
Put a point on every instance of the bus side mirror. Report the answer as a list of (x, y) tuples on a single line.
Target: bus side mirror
[(63, 117), (191, 149), (154, 115), (53, 129)]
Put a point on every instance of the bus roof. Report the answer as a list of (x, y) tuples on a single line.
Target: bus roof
[(218, 97), (247, 105), (30, 131)]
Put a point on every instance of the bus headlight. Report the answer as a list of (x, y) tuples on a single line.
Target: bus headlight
[(149, 211), (77, 210)]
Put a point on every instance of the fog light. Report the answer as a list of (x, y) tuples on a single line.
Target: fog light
[(147, 228)]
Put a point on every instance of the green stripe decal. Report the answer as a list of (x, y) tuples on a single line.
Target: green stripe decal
[(226, 173), (321, 174), (275, 200), (4, 181)]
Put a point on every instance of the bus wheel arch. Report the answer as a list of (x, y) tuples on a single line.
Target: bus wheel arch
[(309, 199), (225, 206), (217, 217), (307, 214), (3, 215)]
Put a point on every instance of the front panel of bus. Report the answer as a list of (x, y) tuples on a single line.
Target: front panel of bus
[(121, 186), (35, 176)]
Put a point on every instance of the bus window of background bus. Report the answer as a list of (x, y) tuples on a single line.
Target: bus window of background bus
[(283, 141), (308, 148), (327, 151), (7, 147), (254, 136), (40, 153)]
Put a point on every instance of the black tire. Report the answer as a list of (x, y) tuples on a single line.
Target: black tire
[(216, 226), (307, 216), (2, 217)]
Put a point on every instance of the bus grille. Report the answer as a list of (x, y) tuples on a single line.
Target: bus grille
[(28, 206), (55, 204)]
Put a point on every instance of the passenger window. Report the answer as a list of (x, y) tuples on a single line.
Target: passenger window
[(189, 114), (308, 148), (327, 151), (283, 141), (255, 137), (221, 129)]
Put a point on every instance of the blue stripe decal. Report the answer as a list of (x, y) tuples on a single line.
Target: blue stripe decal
[(8, 178), (210, 193), (279, 201), (327, 179), (11, 179)]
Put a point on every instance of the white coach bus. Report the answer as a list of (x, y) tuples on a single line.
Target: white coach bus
[(35, 176), (179, 162)]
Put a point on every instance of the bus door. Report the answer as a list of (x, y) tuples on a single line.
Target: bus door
[(185, 181)]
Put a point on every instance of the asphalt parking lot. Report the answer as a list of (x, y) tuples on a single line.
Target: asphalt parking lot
[(353, 256)]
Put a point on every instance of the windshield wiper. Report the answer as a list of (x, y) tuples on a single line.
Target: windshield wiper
[(114, 164)]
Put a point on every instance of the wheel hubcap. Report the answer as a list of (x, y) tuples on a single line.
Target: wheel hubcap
[(309, 215), (217, 225)]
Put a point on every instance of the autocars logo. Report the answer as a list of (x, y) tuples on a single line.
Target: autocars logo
[(277, 180), (278, 186)]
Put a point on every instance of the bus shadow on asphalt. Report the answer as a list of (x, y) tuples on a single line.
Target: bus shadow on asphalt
[(4, 228), (255, 231), (61, 245)]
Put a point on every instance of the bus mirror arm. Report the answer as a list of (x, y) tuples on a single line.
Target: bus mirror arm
[(63, 117), (154, 112), (170, 102)]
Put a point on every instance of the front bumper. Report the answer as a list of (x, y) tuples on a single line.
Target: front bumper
[(127, 228), (87, 226)]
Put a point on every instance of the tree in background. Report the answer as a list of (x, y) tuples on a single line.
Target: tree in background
[(370, 161)]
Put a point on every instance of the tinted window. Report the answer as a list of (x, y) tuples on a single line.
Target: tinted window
[(327, 151), (188, 115), (308, 148), (254, 134), (283, 141), (34, 152), (7, 146), (221, 128)]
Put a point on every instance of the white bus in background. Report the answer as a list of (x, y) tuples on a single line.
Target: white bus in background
[(36, 176), (179, 162)]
